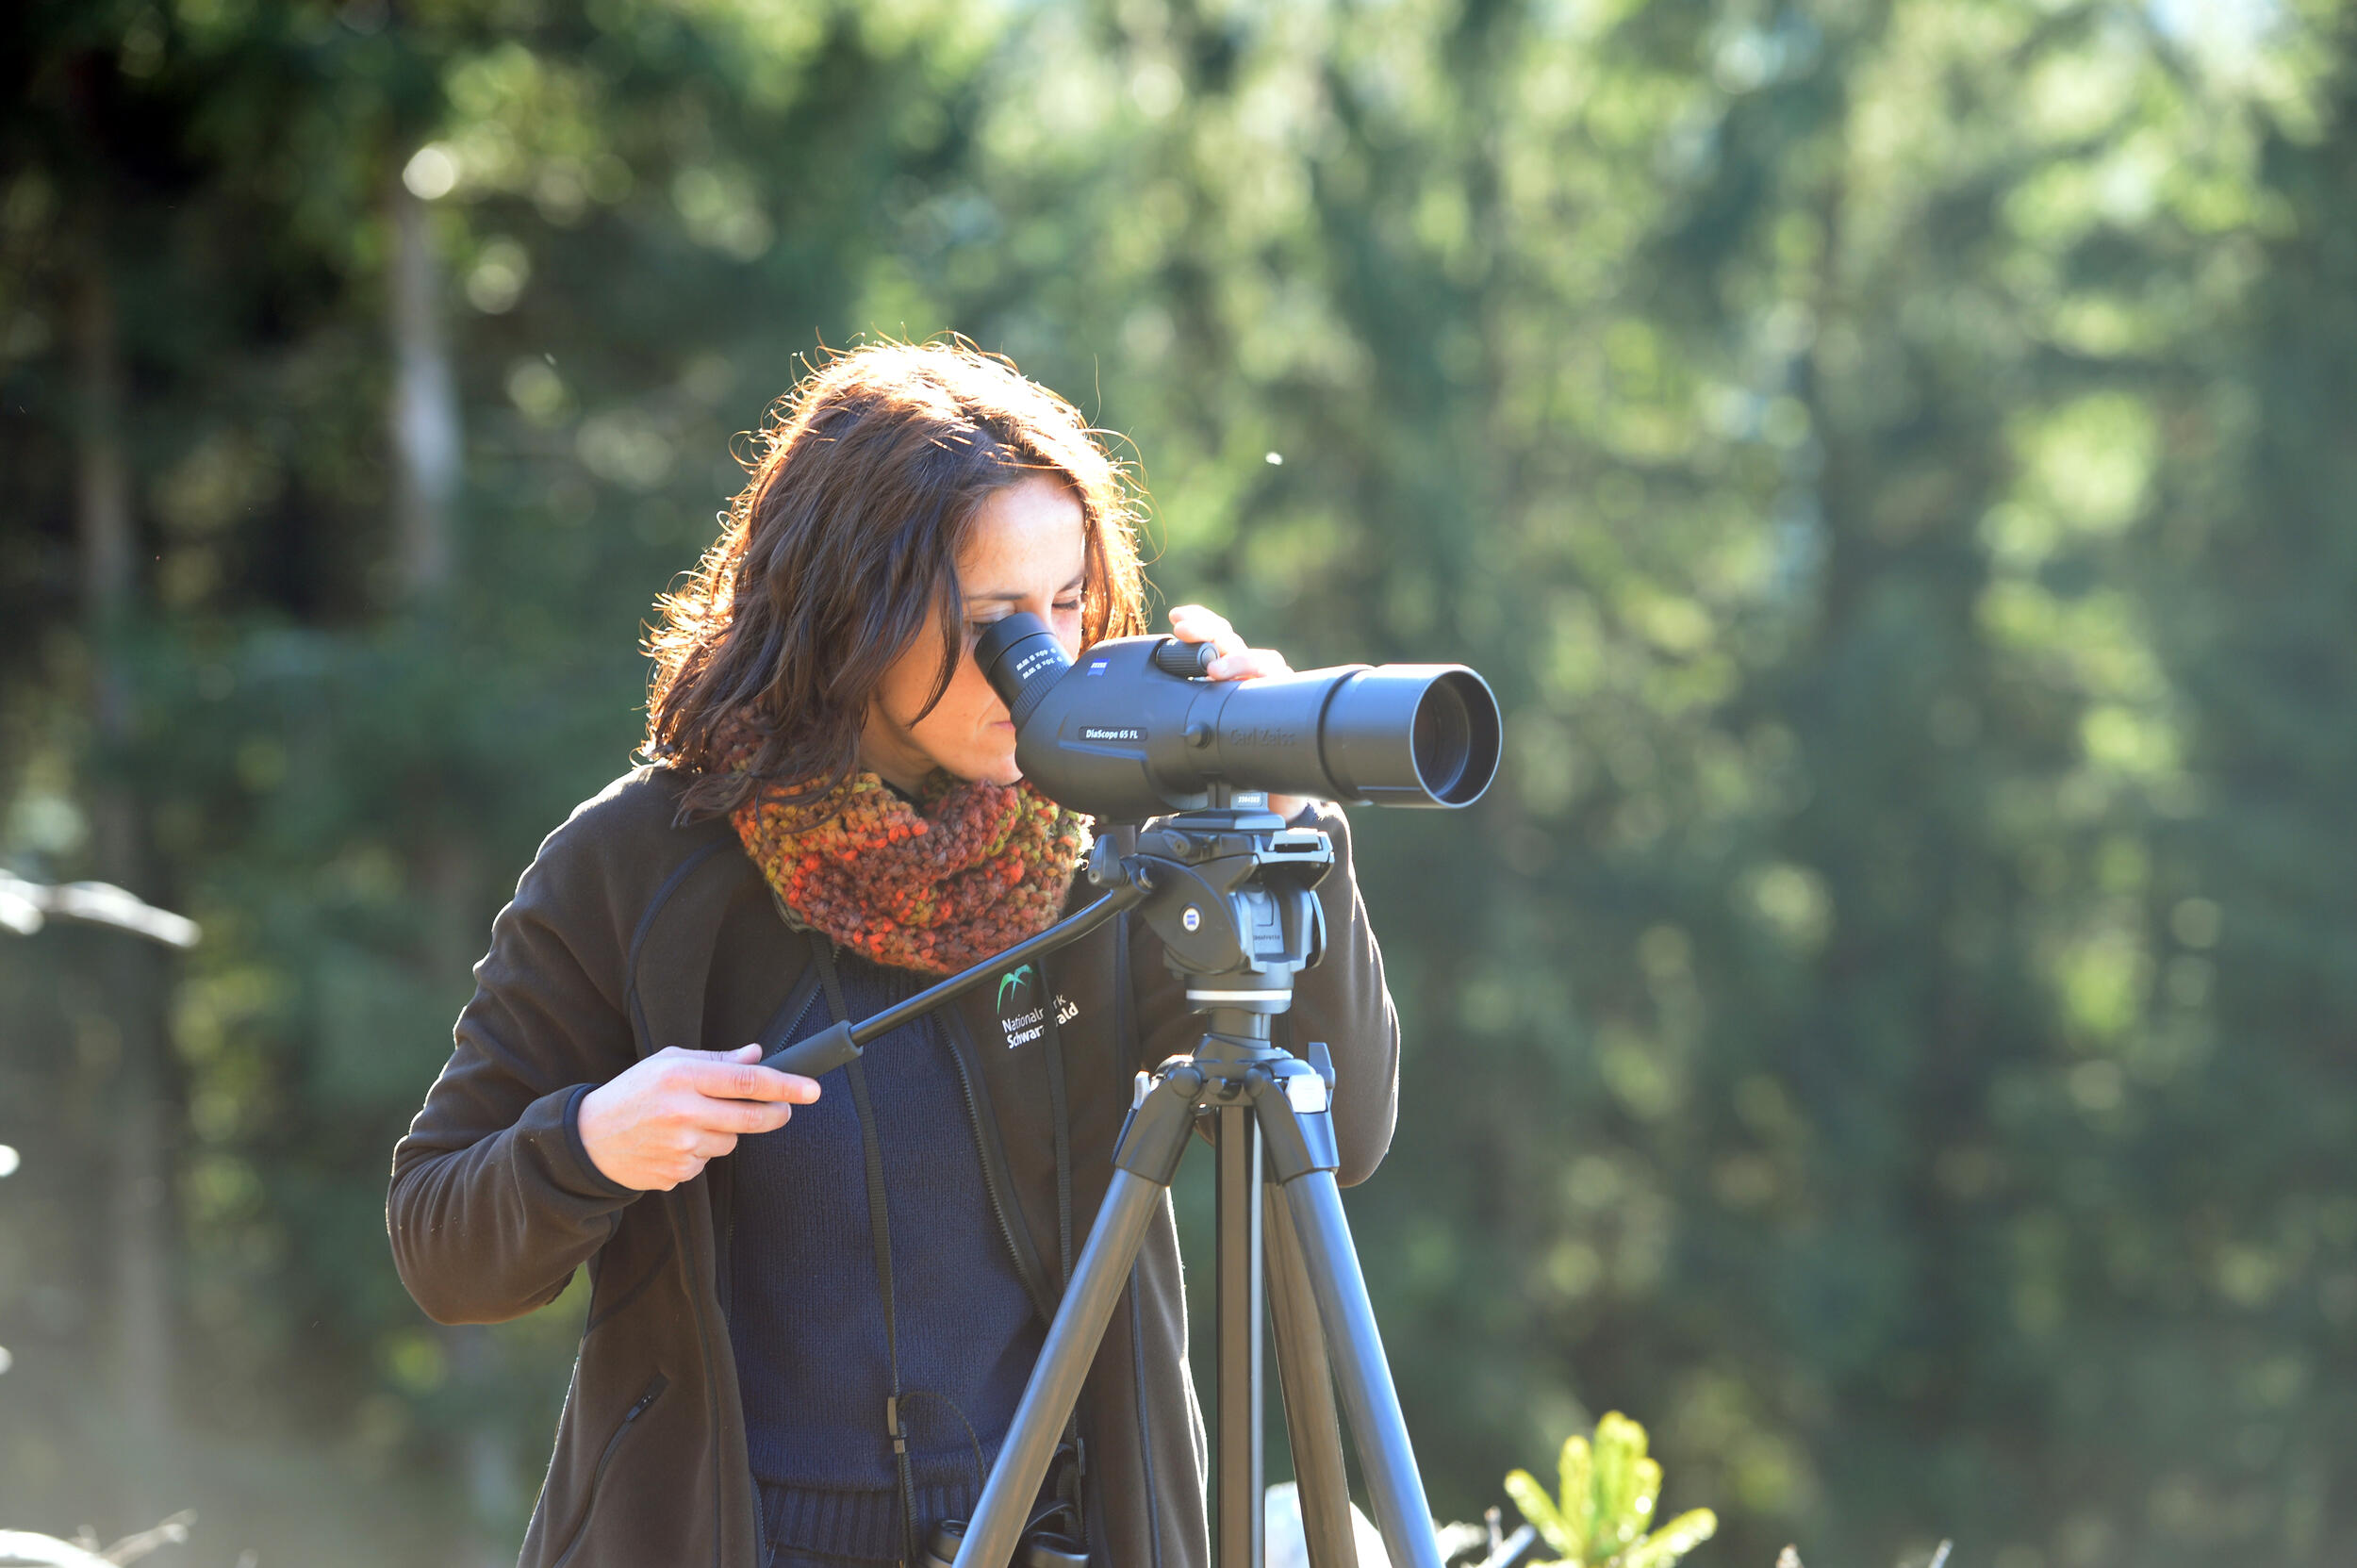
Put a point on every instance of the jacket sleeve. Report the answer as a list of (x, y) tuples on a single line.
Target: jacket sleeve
[(494, 1201), (1343, 1001)]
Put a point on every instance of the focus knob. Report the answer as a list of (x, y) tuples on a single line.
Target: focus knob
[(1184, 659)]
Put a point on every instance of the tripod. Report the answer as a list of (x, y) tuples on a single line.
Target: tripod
[(1230, 892)]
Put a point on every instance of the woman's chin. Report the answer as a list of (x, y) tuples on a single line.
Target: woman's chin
[(992, 770)]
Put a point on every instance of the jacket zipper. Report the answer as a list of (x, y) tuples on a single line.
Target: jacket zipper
[(1031, 1282), (727, 1242), (597, 1478), (1125, 1056)]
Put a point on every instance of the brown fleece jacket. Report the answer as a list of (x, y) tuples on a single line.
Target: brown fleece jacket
[(628, 933)]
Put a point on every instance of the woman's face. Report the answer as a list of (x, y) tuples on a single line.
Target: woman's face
[(1027, 550)]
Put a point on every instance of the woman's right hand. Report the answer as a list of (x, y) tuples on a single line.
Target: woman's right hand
[(656, 1125)]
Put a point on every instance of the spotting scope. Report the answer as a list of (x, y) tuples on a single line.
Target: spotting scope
[(1133, 729)]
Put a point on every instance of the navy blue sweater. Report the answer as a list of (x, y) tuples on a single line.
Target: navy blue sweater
[(806, 1318)]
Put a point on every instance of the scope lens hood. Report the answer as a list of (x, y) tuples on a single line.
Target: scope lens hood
[(1409, 735)]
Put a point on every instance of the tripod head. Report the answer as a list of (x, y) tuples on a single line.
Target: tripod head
[(1232, 891)]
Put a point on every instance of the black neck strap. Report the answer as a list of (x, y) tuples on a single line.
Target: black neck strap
[(880, 1230), (1069, 1487)]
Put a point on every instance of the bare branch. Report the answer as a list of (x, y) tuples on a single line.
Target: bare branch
[(171, 1533), (23, 1549), (25, 906)]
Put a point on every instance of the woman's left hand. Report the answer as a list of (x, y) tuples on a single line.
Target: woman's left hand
[(1236, 662)]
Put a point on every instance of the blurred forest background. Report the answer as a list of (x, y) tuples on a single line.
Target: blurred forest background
[(1893, 1026)]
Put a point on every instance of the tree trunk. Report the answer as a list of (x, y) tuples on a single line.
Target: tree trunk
[(428, 448), (425, 428), (139, 1141)]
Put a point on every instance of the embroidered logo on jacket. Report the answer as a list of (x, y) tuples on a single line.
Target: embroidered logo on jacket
[(1023, 1028), (1018, 981)]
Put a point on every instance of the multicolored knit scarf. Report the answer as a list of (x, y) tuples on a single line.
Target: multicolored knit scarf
[(936, 885)]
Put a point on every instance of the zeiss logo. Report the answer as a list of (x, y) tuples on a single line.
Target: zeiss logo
[(1089, 732), (1096, 667)]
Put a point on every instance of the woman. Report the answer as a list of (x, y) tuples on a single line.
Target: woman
[(805, 1341)]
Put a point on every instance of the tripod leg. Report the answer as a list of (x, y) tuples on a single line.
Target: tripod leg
[(1063, 1362), (1144, 1163), (1392, 1484), (1237, 1533), (1302, 1371)]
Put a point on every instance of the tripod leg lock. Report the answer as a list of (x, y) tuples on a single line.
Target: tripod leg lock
[(1156, 1133), (1298, 1139)]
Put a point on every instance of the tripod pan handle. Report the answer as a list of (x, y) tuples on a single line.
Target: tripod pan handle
[(822, 1052)]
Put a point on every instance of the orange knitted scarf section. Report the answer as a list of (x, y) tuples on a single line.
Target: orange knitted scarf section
[(937, 884)]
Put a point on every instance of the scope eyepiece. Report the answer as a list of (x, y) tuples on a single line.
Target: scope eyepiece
[(1021, 659)]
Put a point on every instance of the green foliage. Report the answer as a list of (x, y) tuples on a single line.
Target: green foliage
[(1603, 1505)]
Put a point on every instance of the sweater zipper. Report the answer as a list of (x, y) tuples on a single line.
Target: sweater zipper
[(597, 1477)]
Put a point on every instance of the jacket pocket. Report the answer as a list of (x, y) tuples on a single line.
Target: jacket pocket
[(597, 1477)]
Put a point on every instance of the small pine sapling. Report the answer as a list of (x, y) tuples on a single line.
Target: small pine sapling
[(1608, 1490)]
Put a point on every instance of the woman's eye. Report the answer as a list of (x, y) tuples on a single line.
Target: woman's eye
[(1067, 607)]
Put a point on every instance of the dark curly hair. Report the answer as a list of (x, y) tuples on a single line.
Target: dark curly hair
[(865, 483)]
